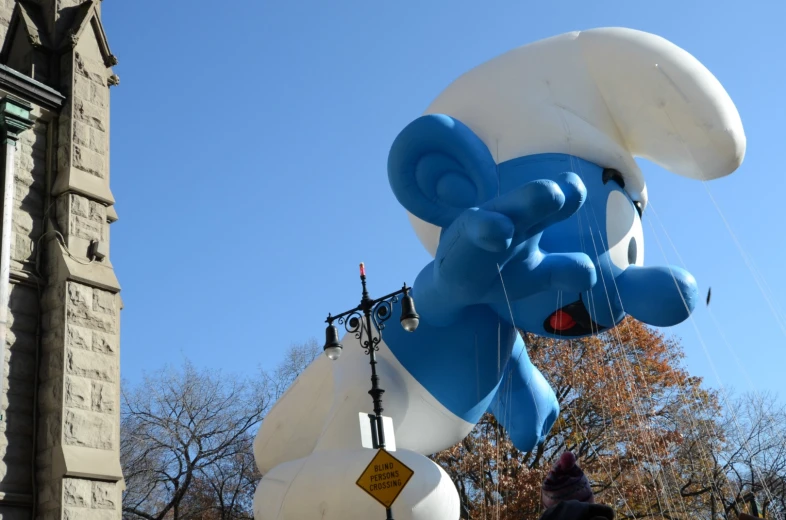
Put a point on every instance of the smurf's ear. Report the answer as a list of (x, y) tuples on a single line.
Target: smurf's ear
[(438, 167)]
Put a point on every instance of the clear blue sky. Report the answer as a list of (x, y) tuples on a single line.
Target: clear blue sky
[(249, 145)]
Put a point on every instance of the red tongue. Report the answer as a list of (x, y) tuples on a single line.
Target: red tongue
[(561, 320)]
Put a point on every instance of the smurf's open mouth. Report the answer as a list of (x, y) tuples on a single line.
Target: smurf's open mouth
[(572, 320)]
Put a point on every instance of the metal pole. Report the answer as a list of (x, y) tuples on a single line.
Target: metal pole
[(14, 119), (5, 249), (364, 317), (375, 392)]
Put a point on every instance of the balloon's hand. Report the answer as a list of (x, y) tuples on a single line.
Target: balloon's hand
[(482, 240), (506, 230)]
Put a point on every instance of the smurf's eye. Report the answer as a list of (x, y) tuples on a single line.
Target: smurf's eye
[(610, 174), (624, 231), (632, 251)]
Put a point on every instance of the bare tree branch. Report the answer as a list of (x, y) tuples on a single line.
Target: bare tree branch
[(187, 439)]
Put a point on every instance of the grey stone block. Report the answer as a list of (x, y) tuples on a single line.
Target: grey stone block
[(106, 495), (104, 397), (90, 319), (78, 392), (84, 227), (79, 337), (77, 492), (90, 114), (105, 343), (91, 365), (105, 302), (89, 429), (89, 514), (89, 161)]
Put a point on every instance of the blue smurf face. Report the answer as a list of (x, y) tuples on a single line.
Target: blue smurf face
[(553, 243), (607, 228)]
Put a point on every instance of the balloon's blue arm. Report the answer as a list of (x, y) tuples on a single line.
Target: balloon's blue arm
[(479, 364)]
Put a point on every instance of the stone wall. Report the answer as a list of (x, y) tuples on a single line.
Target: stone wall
[(16, 435), (85, 500), (80, 400), (80, 350), (51, 398), (63, 344), (16, 438), (29, 195), (83, 130)]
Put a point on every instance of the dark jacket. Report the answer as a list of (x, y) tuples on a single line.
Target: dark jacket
[(575, 510)]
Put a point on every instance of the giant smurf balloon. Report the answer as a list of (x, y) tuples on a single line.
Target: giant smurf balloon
[(520, 180)]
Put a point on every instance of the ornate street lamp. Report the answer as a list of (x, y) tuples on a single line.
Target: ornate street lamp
[(366, 322)]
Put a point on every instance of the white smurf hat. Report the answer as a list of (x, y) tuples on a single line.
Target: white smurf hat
[(604, 95)]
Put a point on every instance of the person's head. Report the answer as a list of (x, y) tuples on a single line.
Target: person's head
[(566, 481)]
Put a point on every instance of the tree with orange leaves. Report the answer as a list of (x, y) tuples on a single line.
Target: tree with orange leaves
[(627, 406)]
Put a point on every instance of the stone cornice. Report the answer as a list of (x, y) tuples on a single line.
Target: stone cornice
[(29, 89), (78, 181), (93, 274), (78, 461), (26, 278), (14, 117)]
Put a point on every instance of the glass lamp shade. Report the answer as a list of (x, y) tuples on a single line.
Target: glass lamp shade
[(409, 317), (333, 353), (332, 346)]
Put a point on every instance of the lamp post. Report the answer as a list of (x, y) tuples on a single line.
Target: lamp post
[(366, 322)]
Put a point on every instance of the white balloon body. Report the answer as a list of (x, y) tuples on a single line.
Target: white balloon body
[(322, 485), (310, 452)]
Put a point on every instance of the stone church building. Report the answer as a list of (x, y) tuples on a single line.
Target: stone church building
[(59, 297)]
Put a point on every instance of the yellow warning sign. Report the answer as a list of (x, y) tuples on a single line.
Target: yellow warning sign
[(384, 478)]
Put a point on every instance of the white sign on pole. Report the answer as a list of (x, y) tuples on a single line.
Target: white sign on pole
[(368, 432)]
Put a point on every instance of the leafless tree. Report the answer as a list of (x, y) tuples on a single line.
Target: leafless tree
[(187, 437), (182, 426), (224, 490), (726, 463), (755, 455), (296, 359)]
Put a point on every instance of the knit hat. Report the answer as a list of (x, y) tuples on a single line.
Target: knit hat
[(566, 481)]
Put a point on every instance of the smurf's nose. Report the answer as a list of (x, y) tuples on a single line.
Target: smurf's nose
[(658, 296)]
